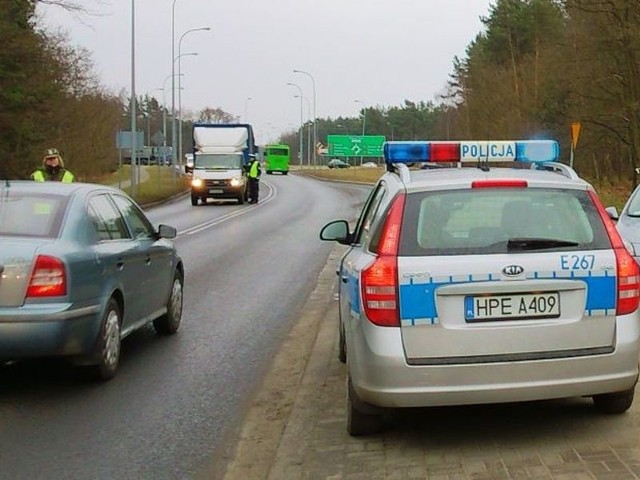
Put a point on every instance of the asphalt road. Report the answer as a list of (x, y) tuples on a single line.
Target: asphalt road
[(175, 408)]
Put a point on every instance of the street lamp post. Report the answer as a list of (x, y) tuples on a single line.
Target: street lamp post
[(308, 131), (133, 98), (364, 115), (364, 120), (199, 29), (173, 85), (246, 109), (315, 127), (301, 129), (164, 119), (178, 160)]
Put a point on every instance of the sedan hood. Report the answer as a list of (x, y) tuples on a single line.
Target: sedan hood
[(16, 260)]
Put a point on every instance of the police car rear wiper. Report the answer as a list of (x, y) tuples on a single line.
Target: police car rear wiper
[(526, 243)]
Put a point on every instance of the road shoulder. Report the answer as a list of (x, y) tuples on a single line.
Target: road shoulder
[(270, 437)]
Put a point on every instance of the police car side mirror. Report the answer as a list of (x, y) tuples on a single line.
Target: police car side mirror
[(337, 231)]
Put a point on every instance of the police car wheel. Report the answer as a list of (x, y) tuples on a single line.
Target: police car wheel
[(614, 403), (362, 419)]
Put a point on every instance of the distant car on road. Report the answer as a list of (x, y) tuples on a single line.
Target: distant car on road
[(82, 267), (369, 165), (337, 163)]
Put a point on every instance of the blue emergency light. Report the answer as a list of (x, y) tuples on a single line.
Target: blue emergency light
[(535, 151)]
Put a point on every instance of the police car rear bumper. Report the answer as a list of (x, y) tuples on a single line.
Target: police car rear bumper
[(382, 376)]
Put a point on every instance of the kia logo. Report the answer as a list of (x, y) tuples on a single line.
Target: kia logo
[(512, 270)]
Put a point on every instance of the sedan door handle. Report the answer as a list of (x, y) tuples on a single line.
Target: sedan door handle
[(344, 279)]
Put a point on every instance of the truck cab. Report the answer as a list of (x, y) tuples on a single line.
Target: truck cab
[(218, 176), (220, 156)]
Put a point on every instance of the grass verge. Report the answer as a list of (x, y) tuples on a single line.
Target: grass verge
[(157, 183)]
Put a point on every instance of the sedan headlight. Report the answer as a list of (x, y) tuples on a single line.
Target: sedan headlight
[(196, 182)]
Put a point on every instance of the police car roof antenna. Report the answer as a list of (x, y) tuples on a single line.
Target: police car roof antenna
[(483, 163)]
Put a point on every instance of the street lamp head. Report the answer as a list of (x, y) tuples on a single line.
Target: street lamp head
[(190, 54)]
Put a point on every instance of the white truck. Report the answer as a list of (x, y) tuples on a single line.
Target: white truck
[(221, 153)]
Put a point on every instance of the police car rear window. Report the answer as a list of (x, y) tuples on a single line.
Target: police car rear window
[(503, 220)]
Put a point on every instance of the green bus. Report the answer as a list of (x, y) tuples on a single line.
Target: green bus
[(277, 158)]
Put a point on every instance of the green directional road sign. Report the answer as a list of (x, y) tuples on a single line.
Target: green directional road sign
[(355, 145)]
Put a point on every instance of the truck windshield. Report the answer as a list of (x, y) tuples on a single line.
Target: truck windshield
[(218, 160)]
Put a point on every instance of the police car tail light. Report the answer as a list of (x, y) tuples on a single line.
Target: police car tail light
[(627, 268), (48, 278), (535, 151), (380, 279)]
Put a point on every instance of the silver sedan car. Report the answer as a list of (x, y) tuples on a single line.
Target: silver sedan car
[(82, 267)]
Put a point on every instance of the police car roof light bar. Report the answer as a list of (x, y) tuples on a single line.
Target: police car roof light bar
[(535, 151)]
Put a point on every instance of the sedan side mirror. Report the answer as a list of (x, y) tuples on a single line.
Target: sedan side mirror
[(167, 231)]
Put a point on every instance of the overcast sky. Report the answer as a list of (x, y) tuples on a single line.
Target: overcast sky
[(379, 52)]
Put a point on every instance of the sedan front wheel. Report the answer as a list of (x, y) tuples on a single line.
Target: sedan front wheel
[(169, 323)]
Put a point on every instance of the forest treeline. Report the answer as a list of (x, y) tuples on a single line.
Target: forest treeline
[(536, 67)]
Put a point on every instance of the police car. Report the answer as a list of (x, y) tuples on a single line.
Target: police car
[(502, 282)]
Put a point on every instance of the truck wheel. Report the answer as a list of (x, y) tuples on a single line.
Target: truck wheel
[(194, 200)]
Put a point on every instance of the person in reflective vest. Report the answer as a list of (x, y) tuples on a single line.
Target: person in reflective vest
[(52, 169), (254, 179)]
